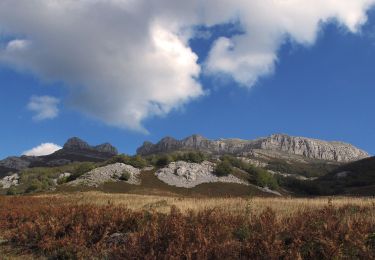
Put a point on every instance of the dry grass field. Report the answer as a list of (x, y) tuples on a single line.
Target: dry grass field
[(86, 225), (236, 205)]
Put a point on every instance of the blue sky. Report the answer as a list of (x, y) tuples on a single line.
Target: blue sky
[(323, 89)]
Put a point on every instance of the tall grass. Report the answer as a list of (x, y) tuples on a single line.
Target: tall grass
[(67, 228)]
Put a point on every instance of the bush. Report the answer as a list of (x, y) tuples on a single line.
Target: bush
[(163, 161), (194, 157), (125, 176), (265, 179), (136, 161), (223, 168), (35, 185)]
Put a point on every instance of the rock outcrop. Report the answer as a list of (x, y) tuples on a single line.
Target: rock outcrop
[(189, 175), (9, 181), (109, 173), (301, 146)]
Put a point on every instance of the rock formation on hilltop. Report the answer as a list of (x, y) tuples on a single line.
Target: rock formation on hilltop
[(74, 149), (279, 143), (76, 145)]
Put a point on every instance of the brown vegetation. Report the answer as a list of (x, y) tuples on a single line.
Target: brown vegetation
[(68, 228)]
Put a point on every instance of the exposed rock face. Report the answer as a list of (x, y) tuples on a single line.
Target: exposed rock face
[(77, 145), (107, 173), (16, 163), (306, 147), (189, 175)]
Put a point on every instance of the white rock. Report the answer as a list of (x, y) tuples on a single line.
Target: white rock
[(108, 173), (8, 181), (189, 175)]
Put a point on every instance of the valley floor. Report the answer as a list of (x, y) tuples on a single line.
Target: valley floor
[(82, 225)]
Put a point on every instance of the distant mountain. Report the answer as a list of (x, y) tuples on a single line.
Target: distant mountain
[(277, 145), (73, 150)]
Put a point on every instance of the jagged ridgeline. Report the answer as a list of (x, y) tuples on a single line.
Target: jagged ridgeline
[(74, 150), (277, 145), (276, 165)]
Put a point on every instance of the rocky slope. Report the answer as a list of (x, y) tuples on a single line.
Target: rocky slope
[(279, 143)]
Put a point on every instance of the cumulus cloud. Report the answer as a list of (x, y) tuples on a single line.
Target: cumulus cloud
[(42, 149), (127, 60), (44, 107)]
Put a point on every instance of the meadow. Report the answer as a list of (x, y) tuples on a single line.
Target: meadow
[(121, 226)]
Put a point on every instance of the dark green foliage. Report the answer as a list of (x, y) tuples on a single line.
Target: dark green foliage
[(257, 176), (125, 176), (194, 157), (359, 179), (311, 169), (303, 187), (35, 185), (161, 160), (265, 179), (223, 168), (136, 161)]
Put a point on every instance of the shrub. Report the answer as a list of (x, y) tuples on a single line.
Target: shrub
[(163, 161), (136, 161), (125, 176), (265, 179), (194, 157), (223, 168), (35, 185)]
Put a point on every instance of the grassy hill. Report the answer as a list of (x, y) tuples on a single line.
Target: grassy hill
[(357, 178)]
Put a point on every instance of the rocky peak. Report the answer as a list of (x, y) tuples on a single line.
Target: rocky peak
[(106, 148), (75, 143)]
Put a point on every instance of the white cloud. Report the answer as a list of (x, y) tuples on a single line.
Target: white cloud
[(43, 149), (126, 60), (44, 107), (17, 45)]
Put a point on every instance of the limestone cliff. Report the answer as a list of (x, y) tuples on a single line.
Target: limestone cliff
[(305, 147)]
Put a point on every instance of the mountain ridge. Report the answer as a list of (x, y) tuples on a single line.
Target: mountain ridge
[(302, 146), (75, 149)]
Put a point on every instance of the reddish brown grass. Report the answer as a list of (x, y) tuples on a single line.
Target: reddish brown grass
[(59, 229)]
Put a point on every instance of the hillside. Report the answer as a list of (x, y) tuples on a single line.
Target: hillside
[(357, 178), (274, 166)]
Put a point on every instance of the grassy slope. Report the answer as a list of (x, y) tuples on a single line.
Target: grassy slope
[(360, 179)]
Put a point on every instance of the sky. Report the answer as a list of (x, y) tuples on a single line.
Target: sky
[(126, 71)]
